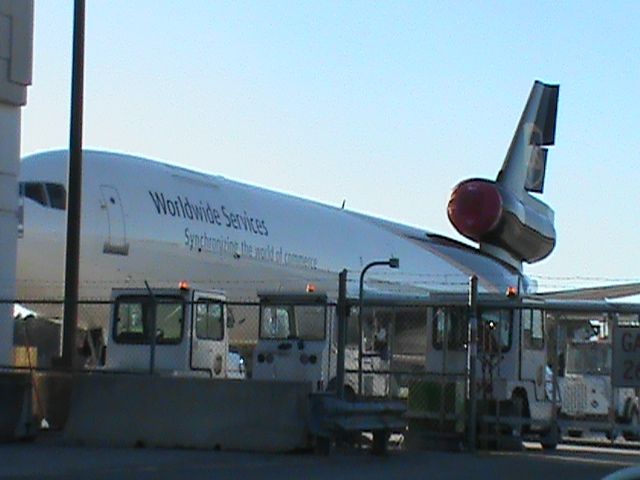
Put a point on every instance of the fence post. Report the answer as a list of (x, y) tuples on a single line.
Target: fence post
[(472, 353), (612, 324), (342, 332), (555, 370), (443, 379), (153, 328)]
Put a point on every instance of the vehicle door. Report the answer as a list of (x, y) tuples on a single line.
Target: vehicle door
[(275, 355), (533, 354), (495, 348), (209, 343)]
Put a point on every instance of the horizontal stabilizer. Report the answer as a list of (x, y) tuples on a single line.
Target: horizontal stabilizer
[(596, 293)]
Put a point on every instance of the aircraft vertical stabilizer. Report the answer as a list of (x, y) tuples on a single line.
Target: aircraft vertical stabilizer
[(526, 161), (502, 216)]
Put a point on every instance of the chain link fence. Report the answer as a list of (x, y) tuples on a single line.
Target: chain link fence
[(539, 366), (37, 330), (543, 370)]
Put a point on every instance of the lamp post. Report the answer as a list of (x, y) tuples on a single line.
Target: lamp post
[(393, 262)]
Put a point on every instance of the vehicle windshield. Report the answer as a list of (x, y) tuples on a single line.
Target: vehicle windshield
[(589, 358), (134, 319), (305, 322), (494, 331)]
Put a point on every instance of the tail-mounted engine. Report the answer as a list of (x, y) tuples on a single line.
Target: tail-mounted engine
[(491, 215)]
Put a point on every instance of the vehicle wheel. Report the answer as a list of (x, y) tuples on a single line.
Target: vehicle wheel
[(550, 439), (521, 412), (634, 425), (380, 442), (349, 394), (323, 445)]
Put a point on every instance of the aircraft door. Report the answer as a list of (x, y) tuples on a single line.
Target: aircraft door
[(532, 350), (208, 335), (116, 241)]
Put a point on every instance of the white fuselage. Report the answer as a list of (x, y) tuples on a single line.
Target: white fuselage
[(143, 220)]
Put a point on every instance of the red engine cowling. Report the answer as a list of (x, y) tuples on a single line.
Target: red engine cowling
[(475, 208), (488, 213)]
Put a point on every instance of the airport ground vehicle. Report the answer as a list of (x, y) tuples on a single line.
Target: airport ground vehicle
[(298, 341), (521, 343), (587, 396), (190, 337), (512, 376)]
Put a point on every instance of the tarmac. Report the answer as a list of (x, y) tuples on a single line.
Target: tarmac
[(50, 458)]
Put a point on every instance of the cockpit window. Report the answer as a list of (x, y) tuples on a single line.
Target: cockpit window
[(35, 191), (51, 195), (57, 196)]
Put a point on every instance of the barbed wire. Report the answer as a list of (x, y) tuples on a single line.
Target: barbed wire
[(585, 278), (245, 289), (434, 278)]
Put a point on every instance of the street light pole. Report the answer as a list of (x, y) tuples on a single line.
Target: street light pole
[(391, 263)]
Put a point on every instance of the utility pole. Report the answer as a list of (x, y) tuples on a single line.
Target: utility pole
[(72, 259)]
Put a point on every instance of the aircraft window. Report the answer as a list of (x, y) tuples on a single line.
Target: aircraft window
[(209, 320), (134, 320), (453, 319), (35, 191), (57, 196), (51, 195)]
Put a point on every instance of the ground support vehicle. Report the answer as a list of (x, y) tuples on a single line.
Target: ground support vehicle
[(298, 342), (588, 400), (180, 331), (514, 385)]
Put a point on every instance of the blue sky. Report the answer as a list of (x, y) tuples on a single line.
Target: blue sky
[(385, 104)]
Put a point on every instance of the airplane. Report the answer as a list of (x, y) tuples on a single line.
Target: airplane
[(144, 220)]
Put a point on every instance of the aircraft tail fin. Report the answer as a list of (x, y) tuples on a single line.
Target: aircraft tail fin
[(502, 216), (526, 160)]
